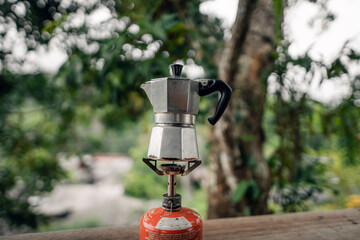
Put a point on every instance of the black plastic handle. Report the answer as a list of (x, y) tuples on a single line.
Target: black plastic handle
[(225, 91)]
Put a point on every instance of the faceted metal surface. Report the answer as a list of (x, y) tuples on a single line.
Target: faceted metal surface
[(175, 103), (173, 142), (175, 95)]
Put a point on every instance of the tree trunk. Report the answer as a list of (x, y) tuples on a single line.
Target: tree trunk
[(237, 139)]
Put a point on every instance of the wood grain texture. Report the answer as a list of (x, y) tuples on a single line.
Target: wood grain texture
[(329, 225)]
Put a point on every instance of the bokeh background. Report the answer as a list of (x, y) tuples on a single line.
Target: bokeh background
[(75, 125)]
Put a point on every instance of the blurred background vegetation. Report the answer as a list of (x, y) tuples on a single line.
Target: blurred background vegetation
[(94, 104)]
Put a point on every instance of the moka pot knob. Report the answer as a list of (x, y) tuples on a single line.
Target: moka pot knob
[(176, 70)]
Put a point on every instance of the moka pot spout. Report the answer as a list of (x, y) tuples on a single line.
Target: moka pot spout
[(147, 88)]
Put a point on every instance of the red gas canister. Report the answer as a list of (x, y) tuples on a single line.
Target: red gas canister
[(184, 224)]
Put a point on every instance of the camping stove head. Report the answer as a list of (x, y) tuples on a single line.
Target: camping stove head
[(175, 102)]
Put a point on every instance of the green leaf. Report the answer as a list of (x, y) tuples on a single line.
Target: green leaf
[(354, 55), (250, 161), (254, 189), (247, 137), (168, 21), (240, 190)]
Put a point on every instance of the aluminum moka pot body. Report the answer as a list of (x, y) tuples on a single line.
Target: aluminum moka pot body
[(175, 102)]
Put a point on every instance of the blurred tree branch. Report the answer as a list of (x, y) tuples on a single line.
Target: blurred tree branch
[(237, 157)]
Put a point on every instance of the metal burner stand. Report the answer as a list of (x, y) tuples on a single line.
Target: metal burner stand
[(171, 200)]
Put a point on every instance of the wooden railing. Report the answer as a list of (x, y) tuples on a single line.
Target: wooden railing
[(329, 225)]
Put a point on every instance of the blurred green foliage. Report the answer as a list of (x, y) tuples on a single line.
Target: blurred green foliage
[(311, 148), (30, 143), (303, 132), (308, 142), (141, 181), (42, 115), (91, 222)]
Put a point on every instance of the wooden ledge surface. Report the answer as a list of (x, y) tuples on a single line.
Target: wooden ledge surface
[(324, 225)]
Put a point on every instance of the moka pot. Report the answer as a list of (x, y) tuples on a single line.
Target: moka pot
[(175, 102)]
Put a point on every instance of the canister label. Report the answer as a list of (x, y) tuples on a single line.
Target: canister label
[(178, 223)]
